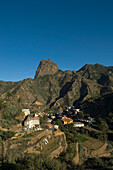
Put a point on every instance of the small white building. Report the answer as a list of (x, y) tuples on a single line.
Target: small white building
[(78, 110), (68, 108), (56, 126), (91, 119), (31, 122), (53, 117), (26, 112), (36, 115), (78, 124), (49, 120)]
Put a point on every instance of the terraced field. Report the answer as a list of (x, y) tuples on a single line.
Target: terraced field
[(92, 143)]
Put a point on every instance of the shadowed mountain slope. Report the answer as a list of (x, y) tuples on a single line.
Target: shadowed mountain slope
[(52, 87)]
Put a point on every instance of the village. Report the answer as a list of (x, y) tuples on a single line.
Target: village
[(31, 122), (46, 126), (54, 133)]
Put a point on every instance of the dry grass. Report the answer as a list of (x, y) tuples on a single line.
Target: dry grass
[(92, 143), (31, 150), (52, 145)]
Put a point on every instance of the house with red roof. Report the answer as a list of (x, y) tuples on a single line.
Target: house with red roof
[(50, 126), (31, 121), (66, 120)]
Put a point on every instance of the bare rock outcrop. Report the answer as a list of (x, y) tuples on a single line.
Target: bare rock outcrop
[(46, 67)]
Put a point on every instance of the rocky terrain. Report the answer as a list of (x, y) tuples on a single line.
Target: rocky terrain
[(53, 88), (90, 89), (46, 67)]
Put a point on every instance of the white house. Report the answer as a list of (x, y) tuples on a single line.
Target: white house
[(49, 120), (31, 121), (91, 119), (26, 112), (77, 111), (68, 108), (36, 115), (78, 124), (56, 126), (53, 117)]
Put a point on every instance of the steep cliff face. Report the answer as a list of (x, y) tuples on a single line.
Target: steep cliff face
[(52, 87), (101, 106), (46, 67)]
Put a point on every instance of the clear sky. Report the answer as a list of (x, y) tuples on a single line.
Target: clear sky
[(72, 33)]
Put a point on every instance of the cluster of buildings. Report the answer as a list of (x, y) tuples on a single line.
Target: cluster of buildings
[(67, 120), (31, 121), (71, 115)]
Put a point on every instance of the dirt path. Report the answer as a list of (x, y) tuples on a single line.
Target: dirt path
[(76, 158), (90, 129), (3, 129), (56, 152), (4, 148)]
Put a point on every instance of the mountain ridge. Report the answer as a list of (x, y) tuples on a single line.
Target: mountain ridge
[(54, 88)]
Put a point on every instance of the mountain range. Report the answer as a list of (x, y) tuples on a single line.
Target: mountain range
[(90, 88)]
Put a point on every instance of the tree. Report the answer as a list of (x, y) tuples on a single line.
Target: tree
[(19, 100), (1, 103), (103, 126), (110, 114), (8, 95), (81, 114), (43, 119)]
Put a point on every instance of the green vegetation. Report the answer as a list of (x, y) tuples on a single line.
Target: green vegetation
[(42, 162), (2, 104), (28, 135), (81, 139), (81, 114), (103, 125), (51, 146), (6, 135), (43, 119), (8, 113), (9, 94), (33, 162), (19, 100), (94, 134)]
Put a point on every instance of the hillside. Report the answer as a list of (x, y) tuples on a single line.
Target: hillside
[(53, 88)]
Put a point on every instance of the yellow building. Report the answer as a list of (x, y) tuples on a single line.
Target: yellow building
[(67, 120)]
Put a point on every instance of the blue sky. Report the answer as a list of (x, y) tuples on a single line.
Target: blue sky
[(71, 33)]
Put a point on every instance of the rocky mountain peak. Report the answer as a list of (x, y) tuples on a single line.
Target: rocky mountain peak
[(46, 67)]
